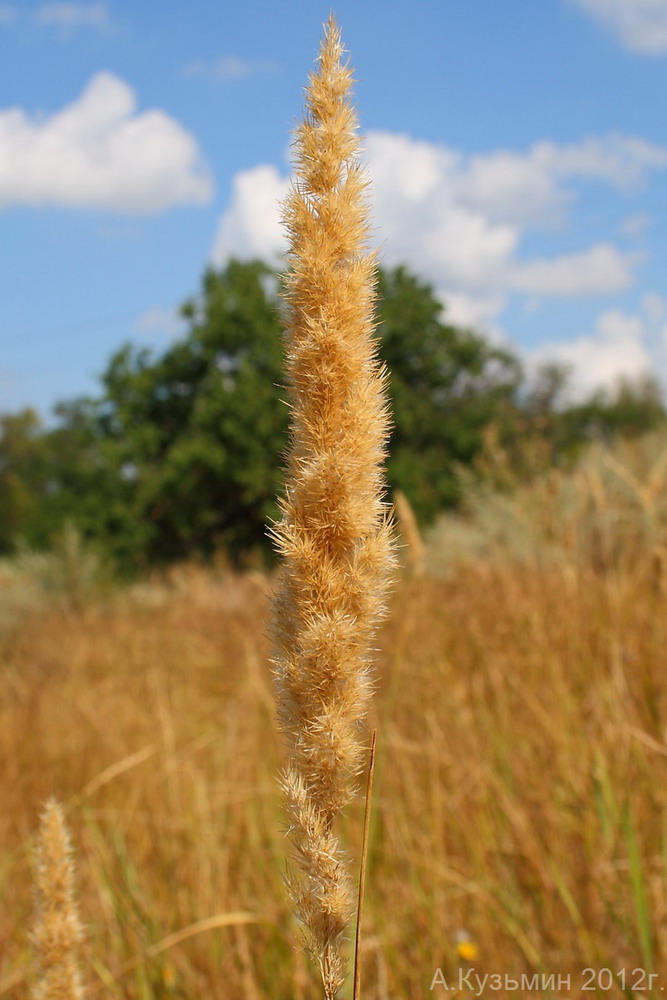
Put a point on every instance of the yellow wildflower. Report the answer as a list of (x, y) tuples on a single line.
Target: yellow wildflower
[(467, 950)]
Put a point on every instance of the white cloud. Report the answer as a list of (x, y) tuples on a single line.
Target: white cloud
[(160, 322), (477, 311), (600, 269), (251, 226), (509, 186), (634, 227), (67, 17), (617, 348), (640, 25), (622, 345), (418, 209), (655, 310), (98, 152), (230, 67), (460, 220), (518, 188), (7, 13), (622, 160)]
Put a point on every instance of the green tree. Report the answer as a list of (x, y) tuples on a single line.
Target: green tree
[(181, 455), (447, 385), (51, 475), (564, 426), (631, 407), (22, 475), (196, 434)]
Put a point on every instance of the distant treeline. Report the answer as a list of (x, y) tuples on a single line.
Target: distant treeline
[(180, 454)]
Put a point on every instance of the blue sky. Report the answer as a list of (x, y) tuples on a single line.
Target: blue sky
[(516, 149)]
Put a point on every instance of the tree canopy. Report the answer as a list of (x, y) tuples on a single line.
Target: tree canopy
[(446, 385), (180, 455)]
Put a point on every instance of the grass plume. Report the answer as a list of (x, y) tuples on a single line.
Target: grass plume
[(334, 533), (58, 931), (413, 545)]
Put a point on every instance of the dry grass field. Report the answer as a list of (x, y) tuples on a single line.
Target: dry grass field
[(520, 787)]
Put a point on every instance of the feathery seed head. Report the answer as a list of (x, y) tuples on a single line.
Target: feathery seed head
[(334, 534), (58, 931)]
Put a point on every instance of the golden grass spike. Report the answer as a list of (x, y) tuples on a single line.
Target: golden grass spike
[(335, 534), (415, 553), (58, 931)]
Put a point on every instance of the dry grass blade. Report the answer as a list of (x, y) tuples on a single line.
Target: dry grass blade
[(409, 529), (362, 868), (114, 771), (200, 927), (217, 922)]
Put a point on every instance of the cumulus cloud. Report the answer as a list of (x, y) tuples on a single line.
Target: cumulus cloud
[(229, 67), (460, 220), (68, 17), (640, 25), (507, 187), (621, 345), (478, 311), (251, 225), (600, 269), (623, 161), (418, 209), (511, 187), (616, 349), (99, 152)]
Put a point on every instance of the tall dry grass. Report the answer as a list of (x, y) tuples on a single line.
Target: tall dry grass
[(606, 513), (520, 800), (520, 786), (65, 576), (334, 534)]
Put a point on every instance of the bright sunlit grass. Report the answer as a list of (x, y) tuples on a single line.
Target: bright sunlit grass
[(519, 790)]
